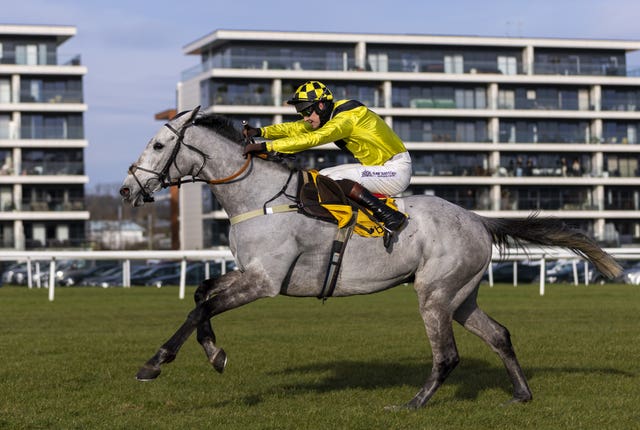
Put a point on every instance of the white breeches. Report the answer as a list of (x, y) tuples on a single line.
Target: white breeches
[(389, 179)]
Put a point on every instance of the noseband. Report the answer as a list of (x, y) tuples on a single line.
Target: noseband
[(163, 175)]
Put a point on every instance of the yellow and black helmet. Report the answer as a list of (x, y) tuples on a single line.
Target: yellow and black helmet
[(310, 93)]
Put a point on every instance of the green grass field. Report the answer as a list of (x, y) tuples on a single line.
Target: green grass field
[(299, 364)]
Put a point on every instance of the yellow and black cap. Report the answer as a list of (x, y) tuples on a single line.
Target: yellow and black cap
[(309, 94)]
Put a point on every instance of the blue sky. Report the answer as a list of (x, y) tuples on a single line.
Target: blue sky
[(133, 49)]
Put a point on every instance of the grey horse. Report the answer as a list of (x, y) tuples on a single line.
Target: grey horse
[(444, 249)]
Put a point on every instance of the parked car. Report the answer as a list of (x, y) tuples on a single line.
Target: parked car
[(75, 277), (155, 271), (631, 275), (111, 277), (194, 275), (15, 274)]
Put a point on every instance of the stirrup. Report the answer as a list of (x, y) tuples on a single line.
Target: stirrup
[(387, 237)]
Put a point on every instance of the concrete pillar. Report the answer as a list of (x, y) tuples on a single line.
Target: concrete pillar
[(386, 89), (527, 60), (18, 234), (596, 97), (492, 96), (276, 90), (361, 56)]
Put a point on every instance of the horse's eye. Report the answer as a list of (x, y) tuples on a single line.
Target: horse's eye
[(158, 146)]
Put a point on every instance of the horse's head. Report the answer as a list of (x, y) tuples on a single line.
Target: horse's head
[(157, 163)]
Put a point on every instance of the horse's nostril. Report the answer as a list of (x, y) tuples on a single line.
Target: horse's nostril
[(124, 191)]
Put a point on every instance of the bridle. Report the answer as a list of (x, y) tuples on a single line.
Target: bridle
[(163, 175)]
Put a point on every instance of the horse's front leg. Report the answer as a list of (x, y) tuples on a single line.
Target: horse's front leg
[(206, 337), (244, 288)]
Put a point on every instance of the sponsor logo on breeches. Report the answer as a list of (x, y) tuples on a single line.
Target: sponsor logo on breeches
[(370, 174)]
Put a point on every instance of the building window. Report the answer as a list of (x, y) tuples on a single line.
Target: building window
[(626, 166), (52, 162), (450, 164), (468, 197), (624, 132), (36, 126), (5, 91), (526, 131)]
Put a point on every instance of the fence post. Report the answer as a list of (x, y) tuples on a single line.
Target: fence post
[(29, 274), (515, 273), (52, 278), (542, 275), (586, 273), (183, 276), (126, 273), (491, 274), (574, 266), (38, 275)]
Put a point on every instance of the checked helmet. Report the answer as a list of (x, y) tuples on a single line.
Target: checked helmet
[(309, 94)]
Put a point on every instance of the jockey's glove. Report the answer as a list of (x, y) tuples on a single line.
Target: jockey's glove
[(251, 132), (255, 147)]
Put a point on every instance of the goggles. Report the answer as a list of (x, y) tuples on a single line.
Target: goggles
[(306, 111)]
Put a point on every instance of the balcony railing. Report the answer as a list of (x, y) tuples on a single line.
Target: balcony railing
[(53, 132), (69, 96), (55, 205), (50, 59), (53, 168), (409, 65)]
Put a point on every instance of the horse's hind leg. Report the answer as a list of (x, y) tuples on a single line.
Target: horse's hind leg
[(205, 335), (439, 325), (498, 338)]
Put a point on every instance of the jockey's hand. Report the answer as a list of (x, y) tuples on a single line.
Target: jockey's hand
[(254, 147), (250, 132)]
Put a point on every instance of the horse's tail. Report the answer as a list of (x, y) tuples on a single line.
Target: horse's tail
[(549, 231)]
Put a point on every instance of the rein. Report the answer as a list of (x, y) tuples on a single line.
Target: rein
[(163, 175)]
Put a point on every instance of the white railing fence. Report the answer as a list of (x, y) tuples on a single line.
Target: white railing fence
[(33, 258)]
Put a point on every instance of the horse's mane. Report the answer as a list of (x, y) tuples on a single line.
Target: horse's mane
[(220, 124)]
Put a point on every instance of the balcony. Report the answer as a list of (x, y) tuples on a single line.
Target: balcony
[(53, 167), (68, 96), (54, 205)]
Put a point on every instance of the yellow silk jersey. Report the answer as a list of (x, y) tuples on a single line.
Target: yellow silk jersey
[(361, 131)]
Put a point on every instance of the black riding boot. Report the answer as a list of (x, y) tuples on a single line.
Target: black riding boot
[(392, 219)]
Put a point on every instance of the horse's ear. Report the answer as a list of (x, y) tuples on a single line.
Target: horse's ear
[(194, 113)]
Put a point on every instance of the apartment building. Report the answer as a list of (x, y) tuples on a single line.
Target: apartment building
[(42, 141), (499, 125)]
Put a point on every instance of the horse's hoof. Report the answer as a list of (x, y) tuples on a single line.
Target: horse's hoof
[(147, 373), (518, 400), (219, 360)]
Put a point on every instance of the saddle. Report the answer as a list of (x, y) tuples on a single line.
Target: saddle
[(320, 197)]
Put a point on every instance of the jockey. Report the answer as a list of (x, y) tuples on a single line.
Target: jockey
[(385, 164)]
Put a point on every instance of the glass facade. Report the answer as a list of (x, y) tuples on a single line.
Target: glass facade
[(52, 161), (579, 62), (545, 164), (415, 95), (281, 56), (51, 126), (450, 163), (50, 90), (544, 131), (441, 130)]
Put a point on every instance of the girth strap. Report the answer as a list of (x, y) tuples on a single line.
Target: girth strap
[(335, 260)]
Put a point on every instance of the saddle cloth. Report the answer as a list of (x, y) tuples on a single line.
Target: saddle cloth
[(322, 198)]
